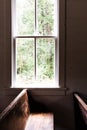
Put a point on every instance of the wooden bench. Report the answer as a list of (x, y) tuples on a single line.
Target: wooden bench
[(83, 107), (17, 116), (80, 112)]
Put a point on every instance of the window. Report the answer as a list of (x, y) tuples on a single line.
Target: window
[(35, 43)]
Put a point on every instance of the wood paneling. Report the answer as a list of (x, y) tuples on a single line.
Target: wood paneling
[(5, 43), (76, 58)]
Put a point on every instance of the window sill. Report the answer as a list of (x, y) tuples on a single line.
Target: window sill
[(45, 91)]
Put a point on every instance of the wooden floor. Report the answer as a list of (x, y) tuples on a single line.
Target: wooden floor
[(43, 121)]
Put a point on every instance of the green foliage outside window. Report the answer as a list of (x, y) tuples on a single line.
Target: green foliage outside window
[(44, 46)]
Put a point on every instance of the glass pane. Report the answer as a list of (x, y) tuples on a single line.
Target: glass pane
[(24, 61), (25, 10), (45, 60), (46, 12)]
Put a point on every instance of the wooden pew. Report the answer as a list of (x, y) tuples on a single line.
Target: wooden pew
[(83, 107), (14, 117), (80, 111), (17, 116)]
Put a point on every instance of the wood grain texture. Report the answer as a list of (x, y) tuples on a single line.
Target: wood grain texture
[(14, 117), (83, 107), (17, 116), (41, 121)]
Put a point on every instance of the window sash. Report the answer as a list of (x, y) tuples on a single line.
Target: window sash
[(35, 62), (36, 20), (35, 37)]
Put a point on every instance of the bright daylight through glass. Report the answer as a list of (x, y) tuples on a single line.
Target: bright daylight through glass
[(35, 42)]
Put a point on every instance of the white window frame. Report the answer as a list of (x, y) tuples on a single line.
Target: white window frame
[(59, 53)]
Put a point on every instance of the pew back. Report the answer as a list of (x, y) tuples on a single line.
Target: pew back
[(15, 115)]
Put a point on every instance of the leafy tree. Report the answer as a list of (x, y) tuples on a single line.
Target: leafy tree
[(45, 46)]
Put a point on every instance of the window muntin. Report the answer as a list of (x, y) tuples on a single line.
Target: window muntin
[(36, 32)]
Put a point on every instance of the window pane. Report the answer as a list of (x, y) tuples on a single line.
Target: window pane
[(45, 59), (45, 17), (24, 61), (25, 13)]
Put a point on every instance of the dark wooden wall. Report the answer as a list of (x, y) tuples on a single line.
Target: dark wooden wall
[(6, 97), (5, 43), (76, 47)]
